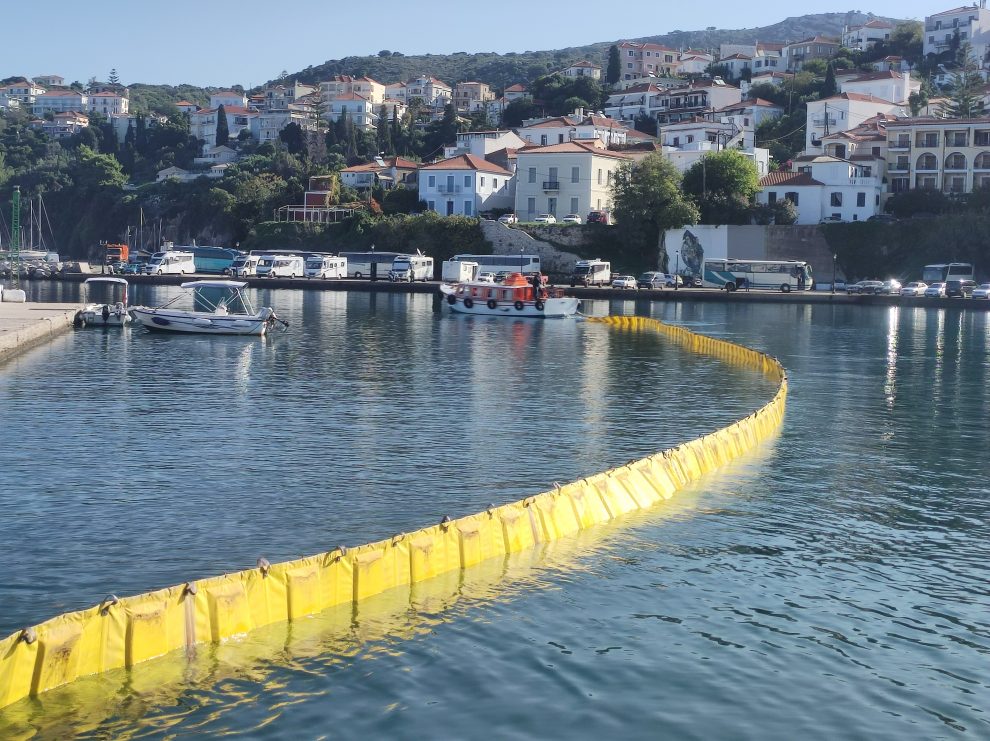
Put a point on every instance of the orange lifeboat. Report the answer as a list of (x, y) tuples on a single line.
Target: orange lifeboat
[(516, 280)]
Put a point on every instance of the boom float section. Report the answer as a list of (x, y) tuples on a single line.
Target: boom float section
[(120, 633)]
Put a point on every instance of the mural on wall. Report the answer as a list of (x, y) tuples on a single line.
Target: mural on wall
[(692, 255), (693, 245)]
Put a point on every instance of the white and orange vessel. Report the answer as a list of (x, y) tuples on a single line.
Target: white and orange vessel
[(513, 297)]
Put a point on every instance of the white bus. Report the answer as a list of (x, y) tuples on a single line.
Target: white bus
[(359, 264), (411, 268), (775, 275), (942, 272), (524, 264)]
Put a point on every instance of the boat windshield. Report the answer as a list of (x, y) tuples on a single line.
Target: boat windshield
[(213, 298)]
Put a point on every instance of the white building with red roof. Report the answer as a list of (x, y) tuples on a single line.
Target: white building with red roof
[(515, 92), (484, 143), (228, 98), (108, 103), (574, 177), (692, 64), (357, 108), (63, 124), (890, 85), (633, 101), (433, 92), (865, 36), (578, 126), (971, 22), (584, 68), (841, 113), (824, 187), (465, 185), (24, 91), (647, 60), (63, 100), (339, 85), (388, 172), (185, 106)]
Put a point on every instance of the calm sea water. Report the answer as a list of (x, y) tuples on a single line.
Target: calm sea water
[(832, 585)]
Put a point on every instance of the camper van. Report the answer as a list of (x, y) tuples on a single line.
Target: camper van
[(326, 266), (171, 263), (591, 273), (409, 268), (459, 271), (286, 266), (244, 266)]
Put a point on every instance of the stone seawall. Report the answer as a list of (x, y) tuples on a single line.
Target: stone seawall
[(508, 241)]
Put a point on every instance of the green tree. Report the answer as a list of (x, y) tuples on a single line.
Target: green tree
[(113, 79), (518, 111), (383, 132), (966, 98), (613, 72), (829, 88), (223, 132), (647, 200), (723, 185), (94, 172), (292, 136), (816, 67)]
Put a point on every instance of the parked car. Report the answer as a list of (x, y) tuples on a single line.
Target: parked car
[(651, 279), (133, 268), (571, 219), (598, 217), (501, 275), (486, 277), (914, 288), (545, 219), (959, 288), (670, 280), (866, 287), (935, 290), (624, 281), (891, 287), (982, 291), (508, 219)]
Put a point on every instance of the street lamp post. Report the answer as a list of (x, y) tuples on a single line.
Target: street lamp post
[(834, 259), (677, 267)]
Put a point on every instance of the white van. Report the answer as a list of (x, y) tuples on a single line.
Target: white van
[(171, 263), (286, 266), (411, 268), (326, 266), (244, 266), (591, 273)]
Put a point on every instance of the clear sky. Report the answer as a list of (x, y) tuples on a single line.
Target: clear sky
[(247, 42)]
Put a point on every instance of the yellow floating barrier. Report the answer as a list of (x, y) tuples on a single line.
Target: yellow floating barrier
[(120, 633)]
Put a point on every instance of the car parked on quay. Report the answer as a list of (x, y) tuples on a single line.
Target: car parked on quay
[(959, 288), (508, 219), (982, 291), (914, 288), (486, 277), (571, 219), (652, 280), (545, 219), (935, 290), (874, 287), (891, 287), (598, 217), (624, 281)]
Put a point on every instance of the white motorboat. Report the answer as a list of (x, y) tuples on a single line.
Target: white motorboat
[(513, 297), (219, 307), (109, 314)]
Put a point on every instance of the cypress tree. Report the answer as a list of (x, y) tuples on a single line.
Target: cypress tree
[(223, 132), (830, 87), (614, 71), (396, 134), (383, 133)]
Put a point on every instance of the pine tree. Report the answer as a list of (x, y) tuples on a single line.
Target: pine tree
[(223, 132), (614, 71), (965, 100), (113, 79)]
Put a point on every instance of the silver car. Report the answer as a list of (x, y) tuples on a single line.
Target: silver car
[(914, 288), (982, 291)]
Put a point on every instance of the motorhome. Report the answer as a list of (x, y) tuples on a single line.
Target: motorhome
[(287, 266), (591, 273), (171, 263), (410, 268), (459, 271), (326, 266), (244, 266)]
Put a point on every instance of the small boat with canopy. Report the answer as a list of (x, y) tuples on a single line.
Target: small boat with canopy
[(111, 313), (219, 307)]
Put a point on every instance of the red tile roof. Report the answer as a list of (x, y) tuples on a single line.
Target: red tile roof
[(467, 162), (788, 178), (572, 147)]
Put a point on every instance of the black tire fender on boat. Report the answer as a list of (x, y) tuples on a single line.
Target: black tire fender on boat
[(519, 305), (492, 304), (539, 305), (468, 303), (451, 299), (77, 321)]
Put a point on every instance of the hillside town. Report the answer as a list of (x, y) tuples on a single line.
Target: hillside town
[(878, 129)]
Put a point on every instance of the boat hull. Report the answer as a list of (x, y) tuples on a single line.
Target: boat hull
[(553, 308), (198, 322), (103, 315)]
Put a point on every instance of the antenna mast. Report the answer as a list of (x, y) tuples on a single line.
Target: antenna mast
[(15, 238)]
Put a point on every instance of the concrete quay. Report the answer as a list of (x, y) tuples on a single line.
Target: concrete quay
[(23, 326)]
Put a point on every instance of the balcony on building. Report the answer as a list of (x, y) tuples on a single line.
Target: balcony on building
[(551, 185)]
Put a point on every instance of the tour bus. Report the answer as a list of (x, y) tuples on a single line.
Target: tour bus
[(326, 266), (525, 264), (782, 275), (942, 272), (410, 268), (212, 259), (171, 263), (368, 264), (591, 273)]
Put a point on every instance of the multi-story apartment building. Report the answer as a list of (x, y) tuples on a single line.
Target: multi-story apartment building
[(626, 105), (889, 85), (579, 126), (108, 103), (228, 98), (433, 92), (345, 84), (583, 68), (472, 96), (647, 60), (823, 187), (841, 113), (951, 155), (464, 185), (866, 35), (570, 178), (59, 101), (972, 23), (361, 111), (203, 123), (63, 125), (814, 47), (47, 81), (698, 98)]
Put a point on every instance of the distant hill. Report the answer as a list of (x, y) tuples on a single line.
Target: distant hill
[(500, 70)]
